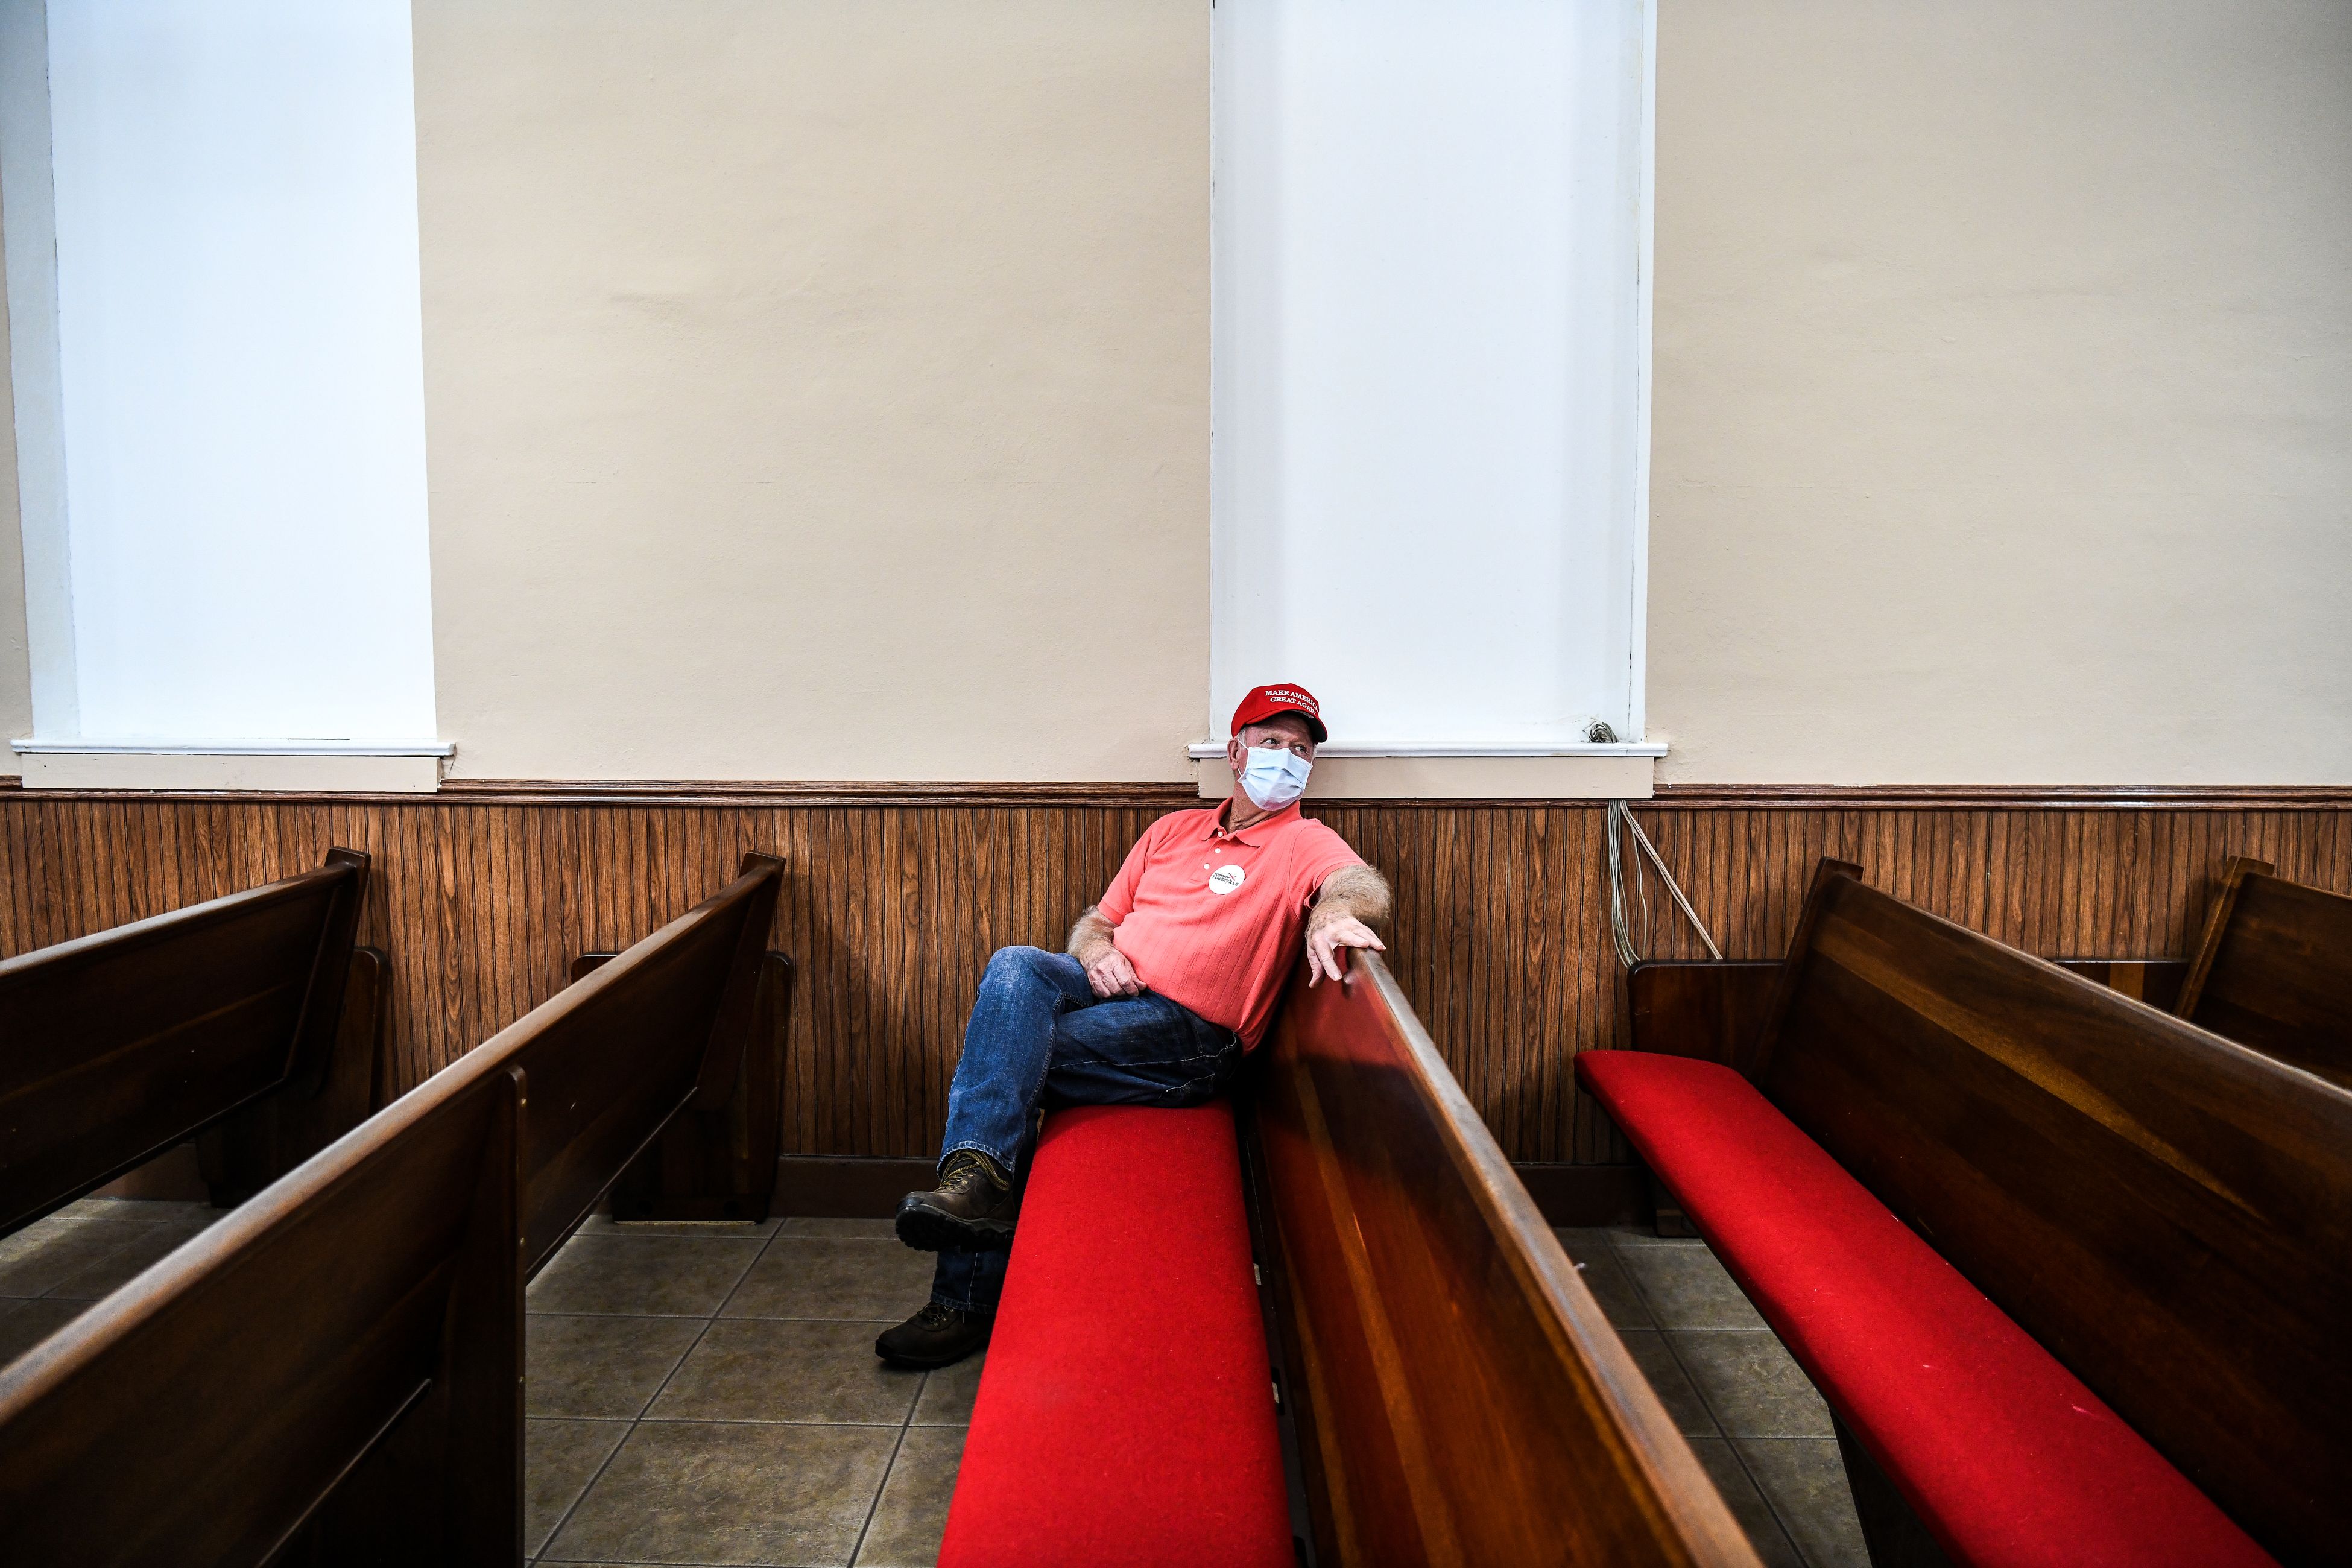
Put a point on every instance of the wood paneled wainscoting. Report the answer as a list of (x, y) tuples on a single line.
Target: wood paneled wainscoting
[(895, 897)]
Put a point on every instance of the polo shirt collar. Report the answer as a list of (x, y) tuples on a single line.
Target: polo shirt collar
[(1258, 832)]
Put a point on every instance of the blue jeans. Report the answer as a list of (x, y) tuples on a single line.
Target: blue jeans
[(1040, 1036)]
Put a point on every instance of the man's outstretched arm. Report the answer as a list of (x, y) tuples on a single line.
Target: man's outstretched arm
[(1107, 970), (1352, 901)]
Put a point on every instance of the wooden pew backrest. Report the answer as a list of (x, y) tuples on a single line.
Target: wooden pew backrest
[(1458, 1395), (206, 1411), (2169, 1213), (717, 1161), (335, 1370), (251, 1147), (116, 1046), (1714, 1009), (614, 1056), (2275, 971)]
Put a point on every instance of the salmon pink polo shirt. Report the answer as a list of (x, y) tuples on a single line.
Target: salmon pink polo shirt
[(1212, 918)]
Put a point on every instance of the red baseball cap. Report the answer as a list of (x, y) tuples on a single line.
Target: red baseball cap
[(1265, 703)]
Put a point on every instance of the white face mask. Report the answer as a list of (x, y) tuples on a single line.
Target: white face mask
[(1273, 776)]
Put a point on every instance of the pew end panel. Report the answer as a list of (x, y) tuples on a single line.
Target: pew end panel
[(718, 1162), (2167, 1213), (248, 1149), (2274, 971), (2217, 926), (1455, 1392), (316, 1037), (129, 1041), (331, 1375), (1712, 1009), (617, 1054)]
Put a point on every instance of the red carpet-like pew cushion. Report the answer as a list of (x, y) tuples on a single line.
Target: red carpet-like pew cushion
[(1126, 1415), (2004, 1454)]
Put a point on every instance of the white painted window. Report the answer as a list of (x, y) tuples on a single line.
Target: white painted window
[(237, 530), (1430, 347)]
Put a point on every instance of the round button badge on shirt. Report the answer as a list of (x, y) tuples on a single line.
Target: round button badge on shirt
[(1225, 878)]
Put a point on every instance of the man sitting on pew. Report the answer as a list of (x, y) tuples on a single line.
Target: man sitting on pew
[(1165, 985)]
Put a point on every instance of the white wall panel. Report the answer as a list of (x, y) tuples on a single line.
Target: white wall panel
[(241, 368), (1430, 222)]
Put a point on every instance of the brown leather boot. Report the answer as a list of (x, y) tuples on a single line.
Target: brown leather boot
[(935, 1336), (972, 1210)]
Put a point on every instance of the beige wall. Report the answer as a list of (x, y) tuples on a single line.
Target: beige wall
[(817, 390), (2004, 392)]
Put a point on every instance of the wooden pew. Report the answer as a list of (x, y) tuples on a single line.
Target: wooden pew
[(229, 1016), (2274, 971), (333, 1374), (1445, 1389), (1715, 1008), (1455, 1392), (717, 1161), (2164, 1212)]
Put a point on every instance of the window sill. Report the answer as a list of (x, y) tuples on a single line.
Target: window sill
[(399, 767), (1623, 770)]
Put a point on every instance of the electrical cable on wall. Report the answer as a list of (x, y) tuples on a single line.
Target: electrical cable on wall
[(1621, 820)]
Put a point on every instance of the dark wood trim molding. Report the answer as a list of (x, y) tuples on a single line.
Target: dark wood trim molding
[(1173, 797), (795, 792), (1586, 1194), (657, 793), (1991, 797), (827, 1186)]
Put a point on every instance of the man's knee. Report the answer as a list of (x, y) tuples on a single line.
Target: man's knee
[(1009, 960)]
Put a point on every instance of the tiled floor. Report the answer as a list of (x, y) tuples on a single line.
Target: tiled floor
[(51, 1270), (1749, 1410), (709, 1395)]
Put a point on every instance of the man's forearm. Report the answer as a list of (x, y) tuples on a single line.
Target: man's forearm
[(1091, 931), (1354, 890)]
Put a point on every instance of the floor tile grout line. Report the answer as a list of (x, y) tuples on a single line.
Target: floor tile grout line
[(1780, 1518), (572, 1508), (1739, 1456), (125, 1245), (556, 1530), (759, 1421), (697, 1317), (763, 1241), (1721, 1425), (882, 1486), (709, 1320), (685, 1316)]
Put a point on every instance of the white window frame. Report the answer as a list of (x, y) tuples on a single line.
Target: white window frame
[(68, 376), (1397, 765)]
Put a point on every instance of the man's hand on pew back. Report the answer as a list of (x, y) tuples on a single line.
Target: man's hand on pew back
[(1349, 899), (1324, 941)]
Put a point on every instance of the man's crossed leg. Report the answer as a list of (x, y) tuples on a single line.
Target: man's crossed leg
[(1039, 1036)]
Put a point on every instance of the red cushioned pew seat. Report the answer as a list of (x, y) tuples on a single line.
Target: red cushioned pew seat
[(2003, 1454), (1126, 1414)]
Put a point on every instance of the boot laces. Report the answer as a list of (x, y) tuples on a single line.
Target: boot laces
[(934, 1316), (968, 1169)]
